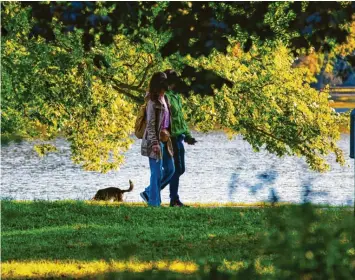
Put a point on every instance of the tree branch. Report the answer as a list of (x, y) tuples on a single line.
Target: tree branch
[(134, 63), (276, 138), (127, 86), (146, 70), (137, 99)]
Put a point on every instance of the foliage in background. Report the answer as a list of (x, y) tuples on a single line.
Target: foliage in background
[(332, 67)]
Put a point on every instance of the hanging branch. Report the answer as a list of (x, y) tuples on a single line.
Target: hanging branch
[(137, 99), (146, 70)]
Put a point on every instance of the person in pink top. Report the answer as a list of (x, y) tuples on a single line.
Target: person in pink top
[(156, 143)]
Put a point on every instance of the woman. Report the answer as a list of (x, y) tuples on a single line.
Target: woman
[(156, 143)]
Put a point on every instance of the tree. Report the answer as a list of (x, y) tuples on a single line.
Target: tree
[(56, 89), (78, 86), (272, 105), (333, 67), (197, 28)]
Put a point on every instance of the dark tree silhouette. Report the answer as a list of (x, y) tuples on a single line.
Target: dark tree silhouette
[(196, 27)]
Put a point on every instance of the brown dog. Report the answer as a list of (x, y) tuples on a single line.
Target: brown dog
[(112, 193)]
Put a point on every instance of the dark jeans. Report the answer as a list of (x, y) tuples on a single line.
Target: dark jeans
[(179, 162)]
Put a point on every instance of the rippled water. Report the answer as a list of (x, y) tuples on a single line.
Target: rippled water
[(218, 170)]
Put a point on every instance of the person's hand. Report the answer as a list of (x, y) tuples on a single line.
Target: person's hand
[(190, 140), (156, 149)]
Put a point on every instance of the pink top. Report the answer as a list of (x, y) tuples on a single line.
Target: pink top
[(166, 117)]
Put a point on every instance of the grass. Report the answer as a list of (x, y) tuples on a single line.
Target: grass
[(80, 239), (343, 101)]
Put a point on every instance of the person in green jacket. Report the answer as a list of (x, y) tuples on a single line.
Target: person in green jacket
[(179, 133)]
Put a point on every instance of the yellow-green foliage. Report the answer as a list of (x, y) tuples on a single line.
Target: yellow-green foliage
[(43, 149), (271, 104), (52, 89), (99, 144)]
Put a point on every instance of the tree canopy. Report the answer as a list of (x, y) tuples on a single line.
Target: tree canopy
[(198, 28), (79, 70)]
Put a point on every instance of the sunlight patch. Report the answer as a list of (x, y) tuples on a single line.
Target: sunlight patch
[(43, 268)]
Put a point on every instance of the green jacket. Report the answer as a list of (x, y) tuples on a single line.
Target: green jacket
[(179, 125)]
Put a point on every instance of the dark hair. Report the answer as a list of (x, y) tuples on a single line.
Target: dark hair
[(158, 83), (173, 77)]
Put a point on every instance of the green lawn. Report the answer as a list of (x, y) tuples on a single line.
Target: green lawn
[(79, 233), (75, 230)]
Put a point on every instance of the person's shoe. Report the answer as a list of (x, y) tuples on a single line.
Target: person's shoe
[(144, 196), (177, 203)]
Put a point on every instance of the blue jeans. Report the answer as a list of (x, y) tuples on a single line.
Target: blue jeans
[(179, 160), (161, 172)]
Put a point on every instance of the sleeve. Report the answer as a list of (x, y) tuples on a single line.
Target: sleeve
[(151, 123), (187, 132), (186, 127)]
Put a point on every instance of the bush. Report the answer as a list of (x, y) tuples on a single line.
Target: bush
[(304, 246)]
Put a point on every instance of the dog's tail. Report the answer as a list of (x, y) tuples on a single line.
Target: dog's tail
[(130, 187)]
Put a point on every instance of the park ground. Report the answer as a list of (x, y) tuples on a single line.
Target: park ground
[(75, 239)]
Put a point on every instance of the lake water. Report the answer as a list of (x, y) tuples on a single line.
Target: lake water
[(217, 170)]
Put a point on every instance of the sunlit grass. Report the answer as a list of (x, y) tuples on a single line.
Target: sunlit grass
[(195, 204), (260, 204), (82, 269), (342, 104), (343, 98), (142, 204), (75, 268)]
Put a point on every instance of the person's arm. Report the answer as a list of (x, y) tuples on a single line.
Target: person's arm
[(187, 132), (188, 137), (190, 140)]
